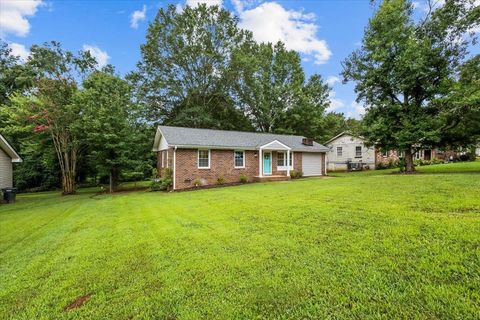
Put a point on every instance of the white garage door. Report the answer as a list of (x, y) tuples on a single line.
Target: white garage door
[(312, 164)]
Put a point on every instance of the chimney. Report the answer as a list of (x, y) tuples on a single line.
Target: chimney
[(307, 141)]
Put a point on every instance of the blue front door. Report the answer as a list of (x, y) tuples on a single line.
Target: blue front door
[(267, 163)]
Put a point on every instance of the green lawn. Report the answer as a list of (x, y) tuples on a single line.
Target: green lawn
[(359, 245)]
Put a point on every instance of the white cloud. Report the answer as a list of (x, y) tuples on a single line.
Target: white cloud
[(270, 22), (137, 16), (194, 3), (331, 80), (357, 110), (13, 16), (335, 103), (101, 56), (424, 6), (19, 50)]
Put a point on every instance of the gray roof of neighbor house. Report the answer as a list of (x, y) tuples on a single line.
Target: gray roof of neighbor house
[(5, 146), (190, 137)]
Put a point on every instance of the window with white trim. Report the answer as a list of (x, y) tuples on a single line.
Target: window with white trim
[(358, 151), (282, 159), (339, 151), (239, 159), (204, 159)]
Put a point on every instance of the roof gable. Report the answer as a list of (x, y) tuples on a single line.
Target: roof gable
[(344, 133), (5, 146)]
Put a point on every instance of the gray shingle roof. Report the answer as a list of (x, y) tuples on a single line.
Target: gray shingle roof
[(179, 136)]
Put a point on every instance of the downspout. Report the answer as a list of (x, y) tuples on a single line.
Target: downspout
[(174, 167), (325, 162)]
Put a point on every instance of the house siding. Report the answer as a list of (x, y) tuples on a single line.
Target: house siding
[(6, 170), (348, 144)]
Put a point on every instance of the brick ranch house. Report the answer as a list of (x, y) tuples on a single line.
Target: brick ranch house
[(206, 155), (8, 156)]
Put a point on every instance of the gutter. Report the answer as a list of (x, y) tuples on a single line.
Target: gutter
[(174, 166)]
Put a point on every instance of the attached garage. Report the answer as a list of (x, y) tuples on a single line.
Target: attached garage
[(312, 164)]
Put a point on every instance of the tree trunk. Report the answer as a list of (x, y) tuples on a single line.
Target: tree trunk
[(67, 158), (409, 167), (113, 176), (111, 181)]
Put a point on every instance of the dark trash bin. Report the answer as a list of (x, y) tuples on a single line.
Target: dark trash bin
[(9, 194)]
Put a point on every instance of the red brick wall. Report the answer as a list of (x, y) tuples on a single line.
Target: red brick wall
[(391, 156), (297, 161), (221, 164)]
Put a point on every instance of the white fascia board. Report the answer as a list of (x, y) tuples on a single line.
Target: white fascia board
[(158, 138), (276, 141), (9, 150)]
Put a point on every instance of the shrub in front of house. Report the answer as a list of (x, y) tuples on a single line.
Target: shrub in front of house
[(197, 182), (243, 178), (295, 174), (163, 183), (221, 180)]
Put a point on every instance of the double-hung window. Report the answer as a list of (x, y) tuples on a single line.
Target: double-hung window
[(204, 159), (282, 159), (239, 159), (358, 151), (339, 151)]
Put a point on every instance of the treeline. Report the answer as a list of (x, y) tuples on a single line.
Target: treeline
[(74, 123)]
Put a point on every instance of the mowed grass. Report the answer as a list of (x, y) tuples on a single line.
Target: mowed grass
[(360, 245)]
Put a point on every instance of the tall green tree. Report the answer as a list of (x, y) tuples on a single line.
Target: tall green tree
[(14, 75), (402, 66), (109, 117), (308, 116), (49, 109), (461, 107), (184, 76), (269, 83)]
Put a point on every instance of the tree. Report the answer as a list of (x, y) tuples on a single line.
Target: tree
[(50, 108), (461, 107), (402, 66), (269, 82), (183, 77), (308, 116), (110, 116), (14, 76)]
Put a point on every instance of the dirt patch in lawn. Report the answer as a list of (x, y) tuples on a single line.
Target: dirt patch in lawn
[(80, 301)]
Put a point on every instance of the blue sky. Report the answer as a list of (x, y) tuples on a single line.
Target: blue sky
[(324, 31)]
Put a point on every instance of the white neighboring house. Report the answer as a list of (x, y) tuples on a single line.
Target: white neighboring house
[(346, 148), (7, 157)]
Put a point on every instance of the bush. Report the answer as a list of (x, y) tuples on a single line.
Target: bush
[(380, 166), (243, 178), (197, 182), (163, 183), (294, 174), (156, 185), (467, 157), (221, 180)]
